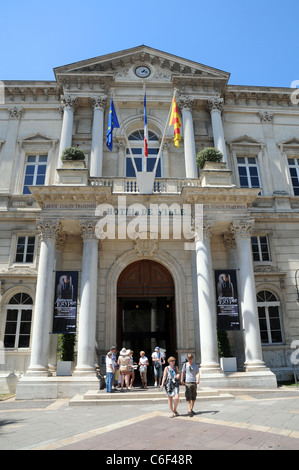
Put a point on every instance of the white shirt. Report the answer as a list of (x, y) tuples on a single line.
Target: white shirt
[(143, 360), (157, 355), (109, 365)]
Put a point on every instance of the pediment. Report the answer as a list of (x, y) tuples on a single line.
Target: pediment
[(292, 142), (122, 65), (245, 140), (37, 139)]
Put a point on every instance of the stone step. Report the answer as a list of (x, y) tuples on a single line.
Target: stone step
[(136, 393), (101, 397)]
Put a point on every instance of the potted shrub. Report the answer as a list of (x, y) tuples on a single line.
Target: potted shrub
[(208, 154), (73, 154), (66, 349), (228, 363)]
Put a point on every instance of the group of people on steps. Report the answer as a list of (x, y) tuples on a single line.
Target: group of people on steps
[(123, 370)]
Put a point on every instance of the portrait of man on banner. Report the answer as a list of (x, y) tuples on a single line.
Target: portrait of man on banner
[(227, 300), (65, 302)]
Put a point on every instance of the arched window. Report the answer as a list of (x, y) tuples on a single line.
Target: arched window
[(18, 321), (136, 143), (269, 317)]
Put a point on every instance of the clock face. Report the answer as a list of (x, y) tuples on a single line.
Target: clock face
[(142, 71)]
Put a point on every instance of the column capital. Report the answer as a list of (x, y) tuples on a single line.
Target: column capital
[(215, 104), (15, 113), (87, 227), (203, 230), (186, 103), (242, 228), (69, 101), (48, 228), (265, 116), (99, 102)]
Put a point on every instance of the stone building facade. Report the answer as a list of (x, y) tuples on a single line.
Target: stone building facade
[(143, 287)]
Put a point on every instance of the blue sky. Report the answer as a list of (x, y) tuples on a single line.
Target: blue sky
[(255, 41)]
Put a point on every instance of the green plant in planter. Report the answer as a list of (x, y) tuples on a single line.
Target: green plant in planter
[(223, 344), (72, 154), (67, 347), (208, 154)]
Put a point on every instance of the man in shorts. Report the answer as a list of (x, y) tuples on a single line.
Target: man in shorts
[(190, 378)]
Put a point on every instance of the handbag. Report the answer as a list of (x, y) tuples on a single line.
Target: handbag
[(157, 365)]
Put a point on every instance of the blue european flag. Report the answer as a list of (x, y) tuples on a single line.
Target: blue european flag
[(112, 122)]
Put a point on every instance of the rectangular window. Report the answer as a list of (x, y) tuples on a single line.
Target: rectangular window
[(18, 327), (248, 172), (35, 172), (294, 172), (140, 161), (25, 249), (260, 248)]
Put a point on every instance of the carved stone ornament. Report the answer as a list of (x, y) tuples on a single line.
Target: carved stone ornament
[(215, 104), (242, 228), (15, 113), (186, 102), (203, 230), (145, 247), (69, 101), (99, 102), (265, 116), (88, 229), (229, 241), (48, 228)]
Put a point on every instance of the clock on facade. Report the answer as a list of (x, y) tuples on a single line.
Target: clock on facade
[(142, 71)]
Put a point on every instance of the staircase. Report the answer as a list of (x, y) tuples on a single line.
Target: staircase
[(137, 396)]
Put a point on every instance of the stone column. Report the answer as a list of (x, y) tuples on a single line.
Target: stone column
[(69, 104), (247, 294), (121, 146), (43, 310), (206, 299), (88, 300), (186, 105), (96, 156), (215, 107), (8, 153)]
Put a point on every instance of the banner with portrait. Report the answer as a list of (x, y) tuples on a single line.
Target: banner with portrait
[(65, 302), (227, 300)]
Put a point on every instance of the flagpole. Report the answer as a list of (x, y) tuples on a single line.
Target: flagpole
[(163, 137), (124, 132), (145, 160)]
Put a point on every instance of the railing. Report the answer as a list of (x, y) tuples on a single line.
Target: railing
[(130, 186)]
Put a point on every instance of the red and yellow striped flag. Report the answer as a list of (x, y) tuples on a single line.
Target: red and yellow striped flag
[(176, 123)]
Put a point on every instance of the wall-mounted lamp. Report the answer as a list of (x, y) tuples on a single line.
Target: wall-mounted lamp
[(296, 283)]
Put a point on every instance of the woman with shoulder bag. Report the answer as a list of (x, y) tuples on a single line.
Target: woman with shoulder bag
[(171, 379)]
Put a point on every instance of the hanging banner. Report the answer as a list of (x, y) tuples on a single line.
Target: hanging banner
[(65, 302), (227, 300)]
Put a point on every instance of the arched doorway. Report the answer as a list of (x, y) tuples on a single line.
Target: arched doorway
[(146, 309)]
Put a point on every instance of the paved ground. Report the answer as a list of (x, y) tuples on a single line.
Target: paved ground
[(265, 421)]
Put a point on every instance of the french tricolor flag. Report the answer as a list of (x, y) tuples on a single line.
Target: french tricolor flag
[(145, 130)]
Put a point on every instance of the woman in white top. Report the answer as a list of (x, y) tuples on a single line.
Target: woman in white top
[(143, 363)]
